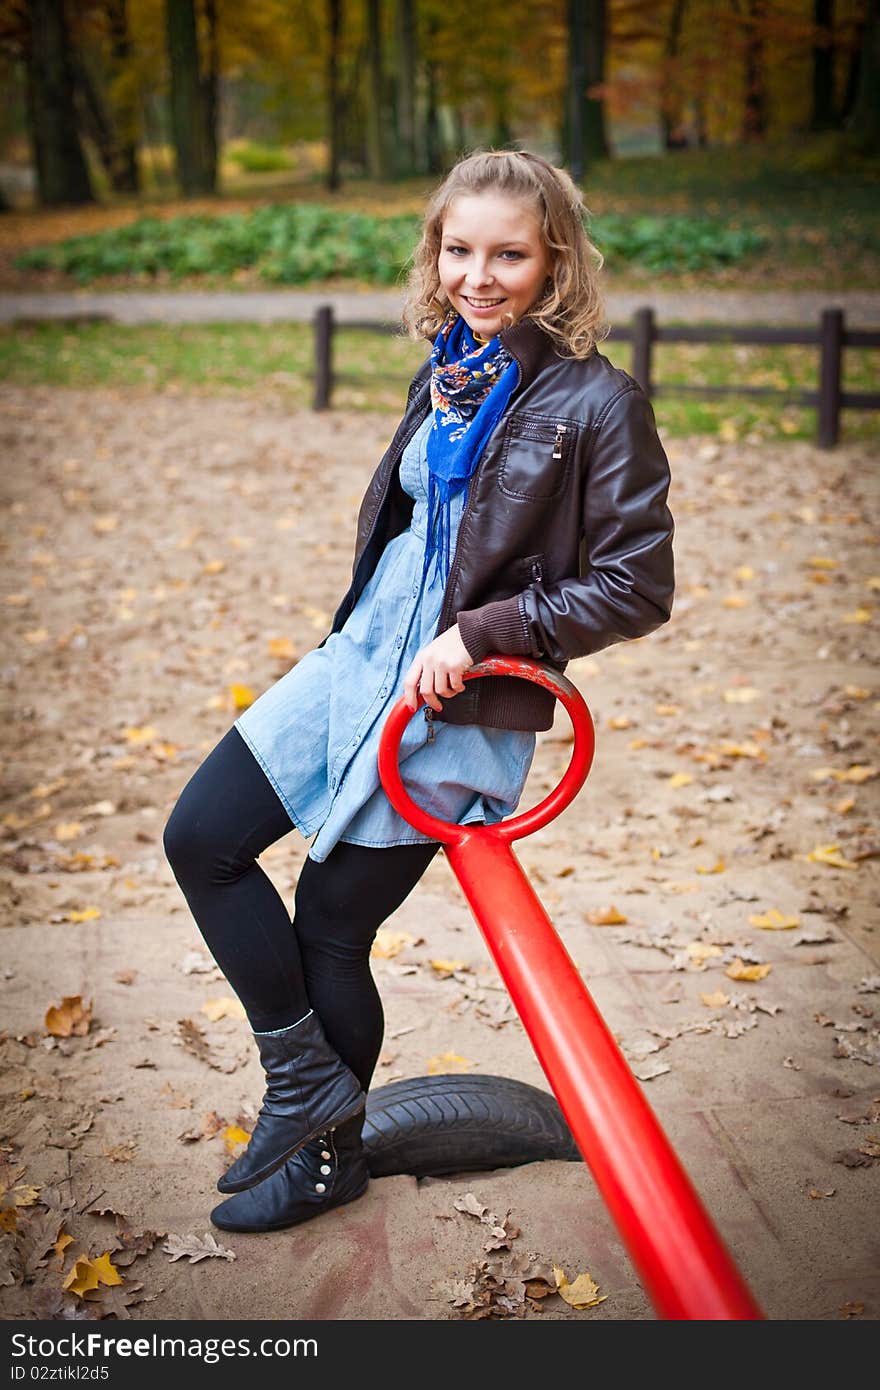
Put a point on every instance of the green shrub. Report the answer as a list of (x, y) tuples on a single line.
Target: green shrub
[(297, 244), (258, 159)]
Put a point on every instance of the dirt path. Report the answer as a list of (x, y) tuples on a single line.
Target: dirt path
[(163, 549), (861, 307)]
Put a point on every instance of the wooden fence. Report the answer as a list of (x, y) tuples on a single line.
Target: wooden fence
[(830, 339)]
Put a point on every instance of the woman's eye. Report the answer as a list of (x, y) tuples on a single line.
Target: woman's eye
[(454, 250), (517, 255)]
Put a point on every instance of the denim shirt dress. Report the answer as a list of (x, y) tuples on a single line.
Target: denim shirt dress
[(315, 732)]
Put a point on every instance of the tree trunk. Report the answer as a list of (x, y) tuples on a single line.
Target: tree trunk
[(406, 86), (823, 115), (95, 121), (584, 126), (62, 172), (670, 99), (595, 136), (211, 92), (334, 109), (125, 106), (376, 148), (188, 123), (755, 109), (864, 123)]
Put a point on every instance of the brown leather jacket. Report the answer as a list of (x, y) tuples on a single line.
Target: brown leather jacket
[(565, 541)]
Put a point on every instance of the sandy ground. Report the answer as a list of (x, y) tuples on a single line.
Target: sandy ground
[(162, 550)]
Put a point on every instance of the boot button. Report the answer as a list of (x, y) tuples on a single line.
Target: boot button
[(320, 1187), (325, 1168), (325, 1154)]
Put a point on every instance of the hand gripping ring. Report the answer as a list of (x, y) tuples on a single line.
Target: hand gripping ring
[(529, 821)]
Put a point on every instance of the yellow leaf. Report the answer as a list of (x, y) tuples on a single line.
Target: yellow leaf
[(737, 970), (736, 601), (744, 573), (224, 1007), (606, 917), (741, 695), (749, 749), (105, 523), (582, 1292), (857, 615), (856, 692), (88, 1274), (679, 779), (444, 968), (873, 583), (619, 721), (214, 567), (667, 710), (636, 743), (702, 950), (822, 562), (717, 868), (62, 1242), (830, 854), (36, 635), (773, 920), (282, 648), (140, 735), (388, 943), (448, 1061), (70, 1017), (24, 1195), (845, 805), (233, 1135), (717, 1000), (858, 772), (241, 696), (69, 829), (87, 914)]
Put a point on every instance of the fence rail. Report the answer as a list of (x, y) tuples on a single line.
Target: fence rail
[(830, 339)]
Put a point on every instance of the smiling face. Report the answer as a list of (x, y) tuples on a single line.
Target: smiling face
[(492, 261)]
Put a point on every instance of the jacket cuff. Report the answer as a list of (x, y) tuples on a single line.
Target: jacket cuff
[(495, 629)]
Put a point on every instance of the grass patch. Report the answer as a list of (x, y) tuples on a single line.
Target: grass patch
[(374, 369)]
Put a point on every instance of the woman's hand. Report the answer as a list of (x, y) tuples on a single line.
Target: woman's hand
[(437, 670)]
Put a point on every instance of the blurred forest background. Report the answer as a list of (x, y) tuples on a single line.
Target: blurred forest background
[(220, 145)]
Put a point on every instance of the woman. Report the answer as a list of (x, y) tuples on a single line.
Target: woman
[(521, 509)]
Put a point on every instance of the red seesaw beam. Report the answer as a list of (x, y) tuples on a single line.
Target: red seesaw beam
[(682, 1261)]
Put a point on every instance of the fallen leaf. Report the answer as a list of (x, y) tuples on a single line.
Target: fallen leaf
[(86, 914), (194, 1248), (233, 1135), (818, 1193), (445, 968), (447, 1061), (88, 1274), (773, 920), (737, 970), (224, 1007), (583, 1292), (69, 1018), (717, 1000), (388, 943), (606, 917), (830, 854)]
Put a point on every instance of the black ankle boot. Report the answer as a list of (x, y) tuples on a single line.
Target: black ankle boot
[(325, 1173), (309, 1090)]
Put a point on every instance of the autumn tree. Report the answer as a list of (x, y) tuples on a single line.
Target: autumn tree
[(62, 172), (194, 76)]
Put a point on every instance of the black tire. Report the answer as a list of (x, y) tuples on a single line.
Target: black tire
[(431, 1125)]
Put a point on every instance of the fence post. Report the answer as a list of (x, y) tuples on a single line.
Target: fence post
[(323, 324), (642, 340), (830, 363)]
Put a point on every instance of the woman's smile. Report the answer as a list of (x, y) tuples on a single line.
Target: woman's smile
[(493, 263)]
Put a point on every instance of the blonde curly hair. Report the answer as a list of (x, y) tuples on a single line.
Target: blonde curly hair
[(571, 308)]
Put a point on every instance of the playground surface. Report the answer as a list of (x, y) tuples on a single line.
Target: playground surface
[(715, 880)]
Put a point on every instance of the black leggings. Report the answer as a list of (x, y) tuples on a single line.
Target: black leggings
[(226, 815)]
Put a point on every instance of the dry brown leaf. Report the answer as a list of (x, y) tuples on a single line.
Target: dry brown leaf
[(195, 1248), (70, 1018), (737, 970), (606, 917)]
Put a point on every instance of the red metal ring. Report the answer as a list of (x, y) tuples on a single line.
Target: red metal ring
[(529, 821)]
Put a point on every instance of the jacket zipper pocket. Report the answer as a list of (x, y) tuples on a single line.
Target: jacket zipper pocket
[(537, 570), (429, 720), (557, 443)]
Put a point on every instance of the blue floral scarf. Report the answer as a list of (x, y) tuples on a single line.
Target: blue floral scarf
[(471, 383)]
